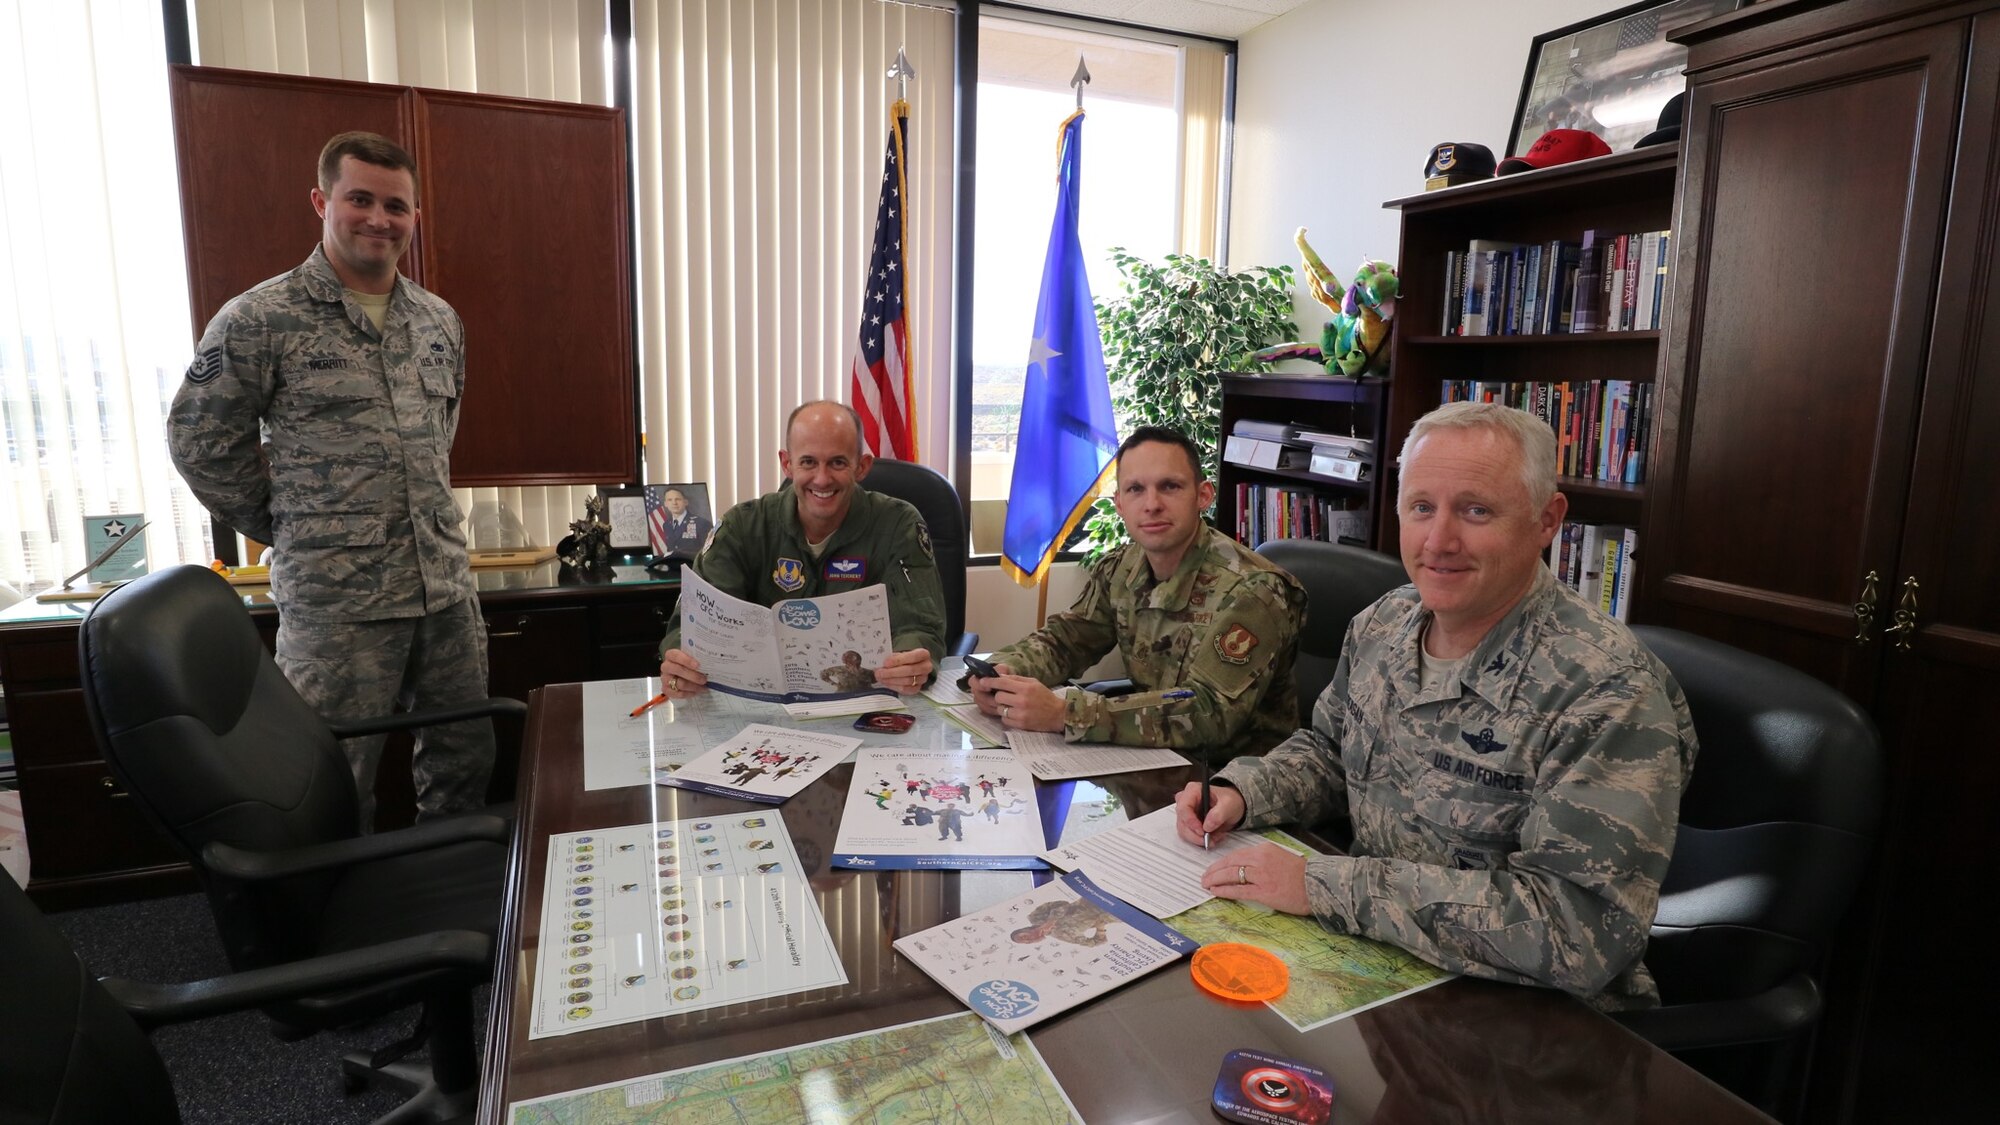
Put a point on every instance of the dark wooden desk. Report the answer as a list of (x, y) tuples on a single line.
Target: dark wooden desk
[(91, 846), (1463, 1051)]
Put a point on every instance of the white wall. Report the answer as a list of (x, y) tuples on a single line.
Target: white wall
[(1002, 612), (1338, 104)]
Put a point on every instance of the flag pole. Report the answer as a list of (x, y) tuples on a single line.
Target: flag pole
[(1078, 81), (902, 72)]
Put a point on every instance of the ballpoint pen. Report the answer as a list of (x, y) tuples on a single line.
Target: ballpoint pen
[(649, 705), (1204, 802), (1171, 696)]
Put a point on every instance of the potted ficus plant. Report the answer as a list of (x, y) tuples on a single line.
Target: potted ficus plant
[(1168, 337)]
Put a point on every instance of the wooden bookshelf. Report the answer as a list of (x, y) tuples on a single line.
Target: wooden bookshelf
[(1623, 192), (1328, 403)]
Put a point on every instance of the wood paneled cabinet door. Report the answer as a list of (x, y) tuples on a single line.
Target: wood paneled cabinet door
[(524, 228), (1829, 489)]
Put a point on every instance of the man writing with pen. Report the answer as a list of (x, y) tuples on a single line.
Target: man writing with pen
[(824, 534), (1207, 628)]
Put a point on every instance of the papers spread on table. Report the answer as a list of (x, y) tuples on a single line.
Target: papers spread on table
[(1029, 958), (1053, 759), (956, 1061), (980, 725), (664, 919), (798, 649), (962, 810), (1146, 863), (943, 690), (620, 749), (763, 763), (837, 706)]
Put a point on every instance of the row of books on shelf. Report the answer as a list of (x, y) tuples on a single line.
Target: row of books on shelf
[(1265, 512), (1595, 560), (1261, 444), (1603, 426), (1606, 283)]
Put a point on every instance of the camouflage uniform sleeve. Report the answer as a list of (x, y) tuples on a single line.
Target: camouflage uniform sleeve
[(1302, 780), (916, 595), (1227, 665), (1072, 640), (214, 424), (1574, 905), (727, 563)]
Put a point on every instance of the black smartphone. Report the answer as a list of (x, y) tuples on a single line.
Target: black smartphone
[(979, 667)]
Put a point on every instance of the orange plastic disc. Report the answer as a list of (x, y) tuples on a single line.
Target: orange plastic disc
[(1235, 971)]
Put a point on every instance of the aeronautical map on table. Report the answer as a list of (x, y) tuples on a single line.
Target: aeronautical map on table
[(954, 1068)]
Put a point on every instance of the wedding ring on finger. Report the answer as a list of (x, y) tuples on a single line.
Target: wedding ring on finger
[(1004, 708), (1242, 875), (677, 683)]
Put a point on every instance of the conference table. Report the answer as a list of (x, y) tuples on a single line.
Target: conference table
[(1464, 1050)]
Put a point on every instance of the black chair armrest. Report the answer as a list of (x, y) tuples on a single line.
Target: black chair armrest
[(479, 709), (1776, 1013), (466, 952), (966, 645), (1111, 687), (245, 865)]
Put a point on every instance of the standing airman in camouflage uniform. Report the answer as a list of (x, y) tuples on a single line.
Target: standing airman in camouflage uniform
[(1208, 629), (318, 417), (1512, 760), (825, 535)]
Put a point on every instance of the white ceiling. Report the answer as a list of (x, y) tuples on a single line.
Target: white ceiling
[(1220, 19)]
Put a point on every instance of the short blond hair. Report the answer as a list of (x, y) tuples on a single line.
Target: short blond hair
[(1532, 436)]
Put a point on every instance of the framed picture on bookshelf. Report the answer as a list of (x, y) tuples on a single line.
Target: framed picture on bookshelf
[(1609, 75), (678, 519)]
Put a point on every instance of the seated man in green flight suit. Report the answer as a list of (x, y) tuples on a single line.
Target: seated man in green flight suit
[(824, 535)]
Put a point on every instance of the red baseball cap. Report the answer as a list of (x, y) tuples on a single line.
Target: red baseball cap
[(1557, 146)]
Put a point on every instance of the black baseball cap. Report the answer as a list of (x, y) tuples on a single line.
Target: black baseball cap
[(1669, 126), (1457, 162)]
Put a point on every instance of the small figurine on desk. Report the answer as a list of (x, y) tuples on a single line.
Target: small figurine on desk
[(588, 545), (1355, 342)]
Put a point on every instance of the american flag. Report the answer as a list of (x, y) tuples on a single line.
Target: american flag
[(1639, 30), (656, 520), (883, 384)]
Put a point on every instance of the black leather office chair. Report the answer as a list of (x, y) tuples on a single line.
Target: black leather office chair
[(1777, 827), (195, 718), (1340, 582), (937, 501), (73, 1049)]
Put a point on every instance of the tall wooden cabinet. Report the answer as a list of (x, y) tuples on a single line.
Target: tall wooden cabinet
[(1825, 490)]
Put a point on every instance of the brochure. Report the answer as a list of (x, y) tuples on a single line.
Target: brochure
[(1029, 958), (764, 763), (950, 809), (798, 650)]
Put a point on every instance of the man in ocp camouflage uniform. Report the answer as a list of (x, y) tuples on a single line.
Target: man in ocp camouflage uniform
[(318, 417), (1511, 759), (1208, 629)]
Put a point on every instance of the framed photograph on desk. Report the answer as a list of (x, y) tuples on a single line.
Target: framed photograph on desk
[(625, 511), (678, 519)]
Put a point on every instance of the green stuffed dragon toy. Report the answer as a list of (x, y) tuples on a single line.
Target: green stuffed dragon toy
[(1355, 341)]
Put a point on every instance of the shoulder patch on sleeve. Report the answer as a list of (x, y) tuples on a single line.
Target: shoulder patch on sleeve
[(924, 539), (206, 366), (1235, 643)]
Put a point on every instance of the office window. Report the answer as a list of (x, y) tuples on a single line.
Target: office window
[(93, 286), (1150, 174)]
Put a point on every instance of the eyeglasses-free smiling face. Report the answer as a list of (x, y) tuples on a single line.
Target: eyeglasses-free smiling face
[(823, 460), (1472, 538), (367, 218)]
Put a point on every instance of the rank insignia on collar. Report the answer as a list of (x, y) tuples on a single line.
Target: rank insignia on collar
[(1234, 644), (790, 575)]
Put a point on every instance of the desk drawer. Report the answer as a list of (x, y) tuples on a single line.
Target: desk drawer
[(50, 727), (81, 821), (633, 622), (35, 662)]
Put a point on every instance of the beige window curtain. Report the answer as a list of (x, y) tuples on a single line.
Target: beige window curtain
[(1203, 74), (554, 50), (761, 129)]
